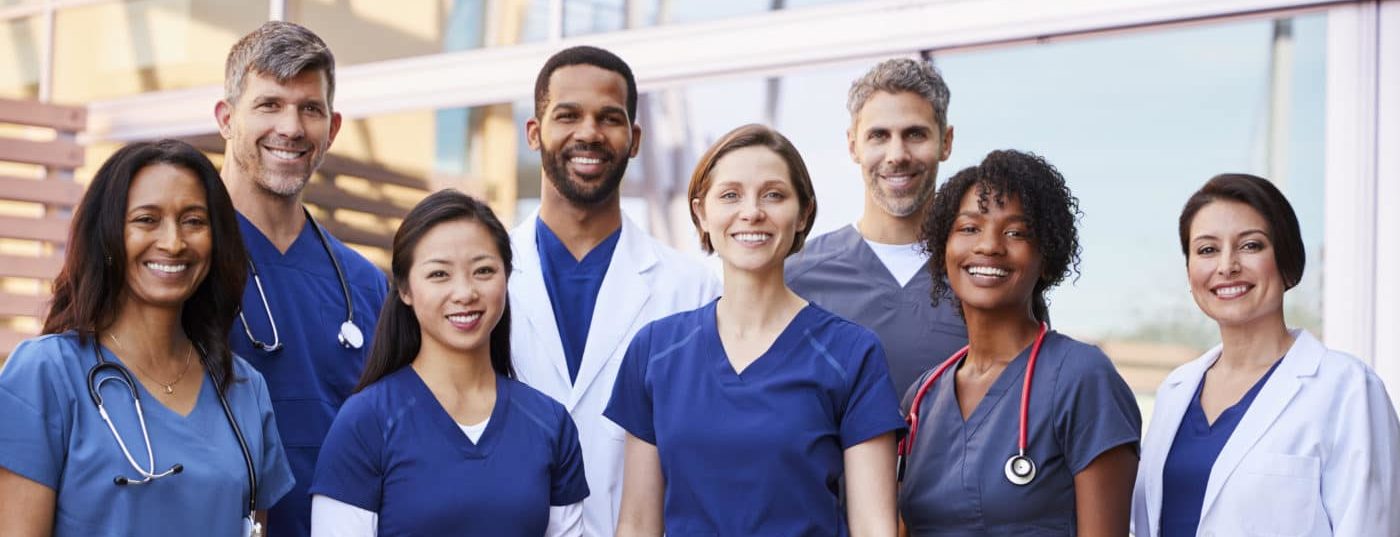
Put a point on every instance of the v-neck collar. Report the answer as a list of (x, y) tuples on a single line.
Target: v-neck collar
[(258, 242), (443, 422), (1200, 426), (147, 397), (767, 360), (1006, 382), (856, 243)]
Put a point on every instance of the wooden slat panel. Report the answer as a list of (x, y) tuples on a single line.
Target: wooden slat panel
[(50, 228), (56, 153), (63, 118), (358, 236), (45, 268), (330, 197), (50, 191), (12, 304), (338, 165)]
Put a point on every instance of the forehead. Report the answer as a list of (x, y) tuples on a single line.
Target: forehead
[(310, 84), (587, 85), (895, 111), (455, 239), (162, 183), (972, 201), (1227, 217), (753, 164)]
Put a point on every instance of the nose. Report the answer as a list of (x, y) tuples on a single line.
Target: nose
[(170, 238), (750, 211), (588, 131), (464, 291), (896, 152), (989, 243), (290, 124), (1229, 263)]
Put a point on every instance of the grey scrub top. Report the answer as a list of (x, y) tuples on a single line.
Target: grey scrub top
[(955, 483), (839, 272)]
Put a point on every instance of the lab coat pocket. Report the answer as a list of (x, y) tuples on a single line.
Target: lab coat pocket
[(1285, 492)]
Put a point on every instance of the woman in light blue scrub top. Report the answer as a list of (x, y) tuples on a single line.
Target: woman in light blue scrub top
[(440, 438), (744, 416), (149, 287), (1000, 235)]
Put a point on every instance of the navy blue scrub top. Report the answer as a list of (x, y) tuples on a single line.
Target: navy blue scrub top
[(310, 377), (955, 482), (394, 450), (838, 271), (1194, 450), (573, 288), (758, 452)]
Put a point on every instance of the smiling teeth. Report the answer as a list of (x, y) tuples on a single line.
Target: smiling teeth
[(586, 160), (1232, 291), (752, 237), (987, 271), (168, 269), (284, 154), (464, 317)]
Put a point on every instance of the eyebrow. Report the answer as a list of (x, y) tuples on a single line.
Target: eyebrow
[(441, 261), (157, 207), (1241, 234), (609, 109)]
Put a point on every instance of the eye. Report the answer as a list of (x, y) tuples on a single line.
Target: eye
[(486, 271), (195, 221), (144, 219), (878, 135), (728, 195), (1205, 250), (614, 119), (267, 106), (966, 229), (774, 195), (1252, 246), (918, 135), (565, 116), (312, 109), (1018, 233), (437, 274)]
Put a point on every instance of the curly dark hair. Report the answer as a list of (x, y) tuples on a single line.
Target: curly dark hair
[(1051, 210)]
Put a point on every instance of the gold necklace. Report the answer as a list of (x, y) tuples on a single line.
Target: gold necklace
[(169, 387)]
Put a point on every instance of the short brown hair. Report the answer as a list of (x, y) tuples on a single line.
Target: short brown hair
[(281, 50), (1262, 196), (755, 135)]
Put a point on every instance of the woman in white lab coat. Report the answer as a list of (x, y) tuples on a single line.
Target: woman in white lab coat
[(1269, 433)]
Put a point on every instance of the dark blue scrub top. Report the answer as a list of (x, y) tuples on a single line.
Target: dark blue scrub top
[(1194, 450), (573, 288), (395, 450), (955, 482), (312, 375), (758, 452)]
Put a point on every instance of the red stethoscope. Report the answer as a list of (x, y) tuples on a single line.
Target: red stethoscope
[(1020, 469)]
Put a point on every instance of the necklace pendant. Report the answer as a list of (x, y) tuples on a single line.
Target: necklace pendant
[(169, 390)]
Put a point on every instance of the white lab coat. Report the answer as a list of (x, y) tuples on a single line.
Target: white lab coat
[(1315, 454), (646, 280)]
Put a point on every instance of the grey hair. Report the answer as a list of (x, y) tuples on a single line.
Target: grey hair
[(281, 50), (900, 75)]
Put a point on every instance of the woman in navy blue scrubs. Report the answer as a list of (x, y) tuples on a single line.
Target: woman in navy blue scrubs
[(743, 416), (440, 438), (1000, 235)]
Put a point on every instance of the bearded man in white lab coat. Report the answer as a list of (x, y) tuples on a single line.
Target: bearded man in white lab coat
[(587, 278)]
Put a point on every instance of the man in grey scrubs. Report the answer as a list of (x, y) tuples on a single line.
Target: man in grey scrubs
[(873, 272)]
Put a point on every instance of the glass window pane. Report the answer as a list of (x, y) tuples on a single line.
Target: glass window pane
[(108, 50), (20, 58)]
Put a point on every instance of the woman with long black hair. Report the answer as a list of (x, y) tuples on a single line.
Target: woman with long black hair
[(440, 439)]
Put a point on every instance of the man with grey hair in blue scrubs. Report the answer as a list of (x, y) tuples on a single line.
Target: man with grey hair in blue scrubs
[(872, 272)]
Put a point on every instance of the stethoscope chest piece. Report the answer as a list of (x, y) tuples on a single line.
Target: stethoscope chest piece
[(350, 336), (1020, 470)]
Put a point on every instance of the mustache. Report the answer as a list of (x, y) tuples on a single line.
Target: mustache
[(607, 152)]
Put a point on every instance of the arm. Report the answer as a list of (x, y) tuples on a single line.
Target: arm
[(643, 488), (565, 521), (870, 487), (1360, 484), (333, 518), (1103, 493), (26, 507)]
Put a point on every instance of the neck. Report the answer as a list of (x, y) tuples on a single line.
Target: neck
[(280, 218), (1254, 345), (996, 339), (579, 227), (455, 371), (148, 333), (877, 225), (757, 301)]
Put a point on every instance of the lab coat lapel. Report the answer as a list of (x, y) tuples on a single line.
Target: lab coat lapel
[(1301, 361), (531, 302), (1172, 400), (624, 293)]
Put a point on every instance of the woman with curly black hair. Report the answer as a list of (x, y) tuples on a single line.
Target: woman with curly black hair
[(1029, 432)]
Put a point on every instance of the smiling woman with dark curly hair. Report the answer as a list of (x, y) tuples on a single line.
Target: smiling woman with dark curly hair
[(1029, 432)]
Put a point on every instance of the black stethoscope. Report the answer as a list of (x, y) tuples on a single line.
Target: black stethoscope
[(1020, 469), (349, 336), (149, 474)]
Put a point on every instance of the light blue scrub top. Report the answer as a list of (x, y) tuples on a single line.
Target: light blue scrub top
[(313, 374), (955, 483), (758, 452), (51, 433)]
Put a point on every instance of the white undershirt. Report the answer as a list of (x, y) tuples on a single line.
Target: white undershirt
[(333, 518), (902, 260)]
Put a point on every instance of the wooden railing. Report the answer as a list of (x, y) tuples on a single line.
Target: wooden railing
[(38, 153)]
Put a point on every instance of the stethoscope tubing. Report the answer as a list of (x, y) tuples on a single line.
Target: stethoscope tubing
[(906, 446), (148, 475), (349, 325)]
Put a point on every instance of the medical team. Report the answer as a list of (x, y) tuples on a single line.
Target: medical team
[(205, 369)]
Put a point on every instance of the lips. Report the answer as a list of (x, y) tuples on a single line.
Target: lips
[(899, 179), (987, 271), (465, 321), (1231, 290), (587, 162), (286, 153), (752, 238)]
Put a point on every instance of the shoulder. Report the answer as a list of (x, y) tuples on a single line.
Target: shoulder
[(378, 396), (357, 268), (677, 266), (841, 339), (46, 356), (1072, 356), (818, 251), (524, 395), (245, 374)]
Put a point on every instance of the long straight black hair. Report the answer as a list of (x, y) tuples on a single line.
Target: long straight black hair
[(398, 337), (89, 290)]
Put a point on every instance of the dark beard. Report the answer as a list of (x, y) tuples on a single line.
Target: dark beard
[(556, 169)]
